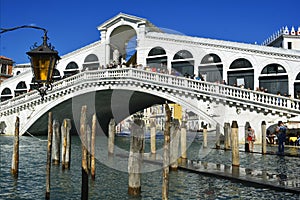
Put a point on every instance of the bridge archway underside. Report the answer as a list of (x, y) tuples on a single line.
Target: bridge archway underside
[(143, 89)]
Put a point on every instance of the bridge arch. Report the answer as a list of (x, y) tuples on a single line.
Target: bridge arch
[(211, 68), (91, 93), (91, 62), (6, 94), (274, 78), (241, 73), (183, 63), (119, 39)]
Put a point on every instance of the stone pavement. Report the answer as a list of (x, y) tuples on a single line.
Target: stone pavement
[(283, 180)]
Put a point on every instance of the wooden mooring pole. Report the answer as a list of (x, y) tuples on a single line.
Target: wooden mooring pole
[(227, 140), (153, 138), (264, 136), (111, 137), (235, 144), (84, 171), (166, 156), (56, 143), (183, 142), (93, 142), (88, 146), (204, 136), (48, 168), (218, 136), (15, 158), (174, 145), (247, 145), (135, 157), (66, 143)]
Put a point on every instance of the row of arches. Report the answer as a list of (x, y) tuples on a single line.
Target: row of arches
[(273, 77)]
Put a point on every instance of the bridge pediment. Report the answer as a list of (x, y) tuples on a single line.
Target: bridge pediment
[(121, 18)]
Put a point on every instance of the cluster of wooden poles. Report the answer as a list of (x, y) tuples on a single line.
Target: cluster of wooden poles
[(231, 139), (172, 133)]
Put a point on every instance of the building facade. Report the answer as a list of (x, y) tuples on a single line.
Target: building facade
[(6, 66)]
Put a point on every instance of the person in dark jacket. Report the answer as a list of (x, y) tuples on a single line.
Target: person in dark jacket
[(281, 131)]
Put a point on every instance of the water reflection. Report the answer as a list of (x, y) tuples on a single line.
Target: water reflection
[(112, 184), (281, 170)]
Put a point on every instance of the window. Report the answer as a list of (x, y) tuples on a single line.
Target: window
[(289, 45), (3, 69), (157, 51), (183, 54), (240, 63), (273, 69)]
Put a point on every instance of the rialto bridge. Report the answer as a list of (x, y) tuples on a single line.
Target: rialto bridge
[(152, 62)]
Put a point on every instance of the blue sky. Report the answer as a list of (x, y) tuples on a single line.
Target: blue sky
[(72, 24)]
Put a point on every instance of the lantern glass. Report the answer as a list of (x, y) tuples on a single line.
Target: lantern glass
[(42, 67)]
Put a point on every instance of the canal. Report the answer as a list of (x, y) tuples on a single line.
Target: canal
[(112, 180)]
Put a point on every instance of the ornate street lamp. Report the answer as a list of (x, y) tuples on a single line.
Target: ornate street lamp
[(43, 60)]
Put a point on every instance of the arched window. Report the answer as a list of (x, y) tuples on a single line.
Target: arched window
[(6, 94), (91, 58), (56, 75), (297, 86), (21, 88), (183, 54), (211, 68), (241, 73), (72, 65), (274, 78), (240, 63), (21, 85), (157, 59), (157, 51), (183, 64), (91, 62), (71, 69), (273, 69), (211, 58), (6, 91)]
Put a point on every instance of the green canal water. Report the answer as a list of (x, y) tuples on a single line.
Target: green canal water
[(111, 176)]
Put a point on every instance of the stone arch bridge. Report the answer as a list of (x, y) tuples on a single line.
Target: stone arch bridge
[(119, 93)]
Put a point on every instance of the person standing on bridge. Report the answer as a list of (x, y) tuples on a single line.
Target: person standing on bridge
[(281, 131), (251, 138)]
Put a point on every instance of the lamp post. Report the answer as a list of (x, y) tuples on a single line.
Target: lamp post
[(43, 60)]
